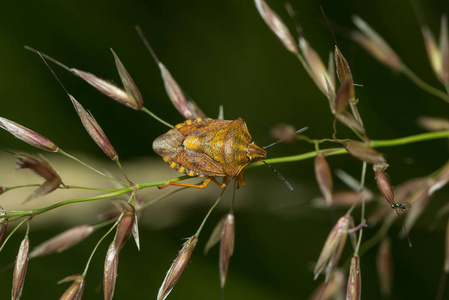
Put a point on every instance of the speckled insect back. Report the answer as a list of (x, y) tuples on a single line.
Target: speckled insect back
[(205, 147)]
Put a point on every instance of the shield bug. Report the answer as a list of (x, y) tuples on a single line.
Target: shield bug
[(207, 148)]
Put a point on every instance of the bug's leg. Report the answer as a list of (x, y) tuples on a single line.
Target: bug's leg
[(223, 184), (240, 180), (198, 186)]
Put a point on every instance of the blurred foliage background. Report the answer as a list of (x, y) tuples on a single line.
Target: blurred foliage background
[(221, 53)]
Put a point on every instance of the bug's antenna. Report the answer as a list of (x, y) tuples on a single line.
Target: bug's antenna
[(281, 140), (279, 175)]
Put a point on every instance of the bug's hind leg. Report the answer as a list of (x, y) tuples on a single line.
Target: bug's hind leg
[(197, 186)]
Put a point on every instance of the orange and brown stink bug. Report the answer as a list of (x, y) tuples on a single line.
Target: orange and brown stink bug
[(207, 148)]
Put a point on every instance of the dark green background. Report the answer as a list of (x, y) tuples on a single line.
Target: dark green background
[(221, 52)]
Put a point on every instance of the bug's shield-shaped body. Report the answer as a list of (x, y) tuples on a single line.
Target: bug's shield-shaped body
[(207, 147)]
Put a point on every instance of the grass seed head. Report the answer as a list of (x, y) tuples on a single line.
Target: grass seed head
[(128, 83), (107, 88), (348, 120), (375, 44), (319, 71), (342, 66), (42, 168), (446, 257), (110, 271), (444, 50), (174, 92), (124, 229), (384, 263), (324, 177), (344, 94), (343, 199), (63, 241), (215, 236), (226, 246), (354, 290), (382, 181), (363, 152), (277, 26), (3, 226), (333, 289), (75, 290), (335, 239), (284, 132), (433, 52), (28, 136), (177, 267), (20, 269), (433, 123), (94, 130)]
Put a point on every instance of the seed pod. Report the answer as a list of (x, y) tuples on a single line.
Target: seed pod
[(276, 25), (343, 199), (176, 269), (128, 83), (124, 229), (186, 108), (110, 271), (284, 132), (42, 168), (20, 269), (106, 88), (344, 94), (433, 52), (354, 290), (75, 290), (382, 181), (441, 179), (333, 289), (28, 136), (375, 44), (226, 246), (94, 130), (215, 236), (3, 226), (63, 241), (419, 199), (126, 225), (342, 66), (446, 258), (363, 152), (444, 50), (433, 123), (384, 263), (348, 120), (324, 177), (335, 240), (321, 76)]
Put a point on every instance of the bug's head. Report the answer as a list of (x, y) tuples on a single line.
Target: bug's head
[(255, 152)]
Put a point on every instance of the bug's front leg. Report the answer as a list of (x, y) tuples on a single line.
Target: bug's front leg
[(197, 186), (240, 179)]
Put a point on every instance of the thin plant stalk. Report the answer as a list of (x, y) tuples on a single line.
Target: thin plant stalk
[(362, 185), (11, 233), (146, 110), (423, 85), (93, 169), (209, 212)]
